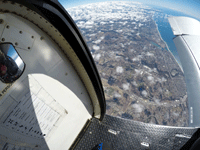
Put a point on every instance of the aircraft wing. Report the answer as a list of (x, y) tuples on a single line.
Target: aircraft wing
[(184, 26), (187, 41)]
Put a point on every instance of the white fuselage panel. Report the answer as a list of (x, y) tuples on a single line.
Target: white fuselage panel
[(48, 105)]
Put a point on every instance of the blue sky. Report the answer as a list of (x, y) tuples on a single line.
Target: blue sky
[(190, 7)]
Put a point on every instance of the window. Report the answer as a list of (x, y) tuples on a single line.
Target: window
[(132, 46), (11, 64)]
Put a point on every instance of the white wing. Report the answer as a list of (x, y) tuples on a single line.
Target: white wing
[(187, 41)]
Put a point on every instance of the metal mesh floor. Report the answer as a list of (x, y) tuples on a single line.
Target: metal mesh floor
[(123, 134)]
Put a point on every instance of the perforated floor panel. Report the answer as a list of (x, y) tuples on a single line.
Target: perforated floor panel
[(122, 134)]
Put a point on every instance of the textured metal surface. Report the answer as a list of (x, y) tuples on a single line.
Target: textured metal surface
[(123, 134)]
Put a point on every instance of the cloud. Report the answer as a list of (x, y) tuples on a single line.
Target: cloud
[(137, 58), (157, 101), (151, 79), (161, 80), (119, 69), (121, 44), (144, 93), (138, 71), (92, 34), (103, 12), (97, 57), (95, 47), (138, 34), (99, 40), (138, 108), (149, 54), (117, 95), (175, 114), (119, 31), (89, 23), (134, 83), (125, 86)]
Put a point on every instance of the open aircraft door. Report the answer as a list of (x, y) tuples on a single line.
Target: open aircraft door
[(51, 95)]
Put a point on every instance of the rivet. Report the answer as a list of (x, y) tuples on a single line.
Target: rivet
[(29, 48), (1, 21), (32, 37), (41, 38), (16, 43), (7, 26), (3, 39), (20, 32)]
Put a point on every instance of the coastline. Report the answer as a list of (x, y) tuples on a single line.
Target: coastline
[(179, 63)]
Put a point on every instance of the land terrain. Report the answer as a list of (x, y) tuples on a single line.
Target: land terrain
[(142, 80)]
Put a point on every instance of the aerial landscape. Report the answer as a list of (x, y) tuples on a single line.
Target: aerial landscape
[(141, 78)]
